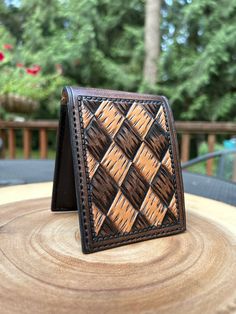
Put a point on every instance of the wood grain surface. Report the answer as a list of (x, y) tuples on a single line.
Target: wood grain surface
[(42, 269)]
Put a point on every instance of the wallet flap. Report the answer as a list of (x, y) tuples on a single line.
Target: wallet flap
[(127, 175), (63, 196)]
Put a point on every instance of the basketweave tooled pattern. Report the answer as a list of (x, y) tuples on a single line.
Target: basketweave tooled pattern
[(129, 165)]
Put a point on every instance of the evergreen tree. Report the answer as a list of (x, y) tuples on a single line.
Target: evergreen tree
[(198, 61), (98, 43), (101, 43)]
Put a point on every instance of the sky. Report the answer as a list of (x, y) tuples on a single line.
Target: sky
[(16, 3)]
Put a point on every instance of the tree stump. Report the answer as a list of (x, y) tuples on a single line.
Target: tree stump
[(43, 270)]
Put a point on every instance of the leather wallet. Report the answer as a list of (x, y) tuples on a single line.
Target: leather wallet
[(117, 163)]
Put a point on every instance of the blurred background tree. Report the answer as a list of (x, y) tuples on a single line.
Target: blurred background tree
[(198, 58), (152, 41), (101, 43)]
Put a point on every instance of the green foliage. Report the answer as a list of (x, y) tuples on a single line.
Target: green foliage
[(100, 43), (21, 80), (92, 43), (93, 40), (198, 64)]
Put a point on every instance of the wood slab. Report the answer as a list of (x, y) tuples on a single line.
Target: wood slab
[(42, 268)]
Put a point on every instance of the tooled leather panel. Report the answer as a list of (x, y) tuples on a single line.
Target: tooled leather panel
[(130, 167)]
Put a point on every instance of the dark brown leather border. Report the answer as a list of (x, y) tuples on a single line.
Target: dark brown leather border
[(82, 188), (91, 244)]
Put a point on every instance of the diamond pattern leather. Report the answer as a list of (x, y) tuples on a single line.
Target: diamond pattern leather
[(129, 165), (117, 164)]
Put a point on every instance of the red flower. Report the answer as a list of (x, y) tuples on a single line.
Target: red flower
[(8, 46), (31, 71), (2, 57), (37, 68), (34, 70)]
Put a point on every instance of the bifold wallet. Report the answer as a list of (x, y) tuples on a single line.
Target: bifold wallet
[(117, 163)]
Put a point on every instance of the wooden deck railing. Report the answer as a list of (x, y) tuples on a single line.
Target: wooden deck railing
[(8, 134), (187, 129), (184, 129)]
